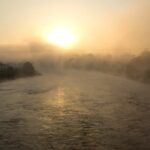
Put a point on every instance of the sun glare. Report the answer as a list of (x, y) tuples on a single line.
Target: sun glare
[(60, 37)]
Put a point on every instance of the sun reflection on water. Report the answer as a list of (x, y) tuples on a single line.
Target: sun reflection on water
[(56, 101), (60, 98)]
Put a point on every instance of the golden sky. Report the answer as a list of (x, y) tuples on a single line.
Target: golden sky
[(96, 24)]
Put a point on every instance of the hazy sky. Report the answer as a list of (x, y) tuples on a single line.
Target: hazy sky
[(97, 24)]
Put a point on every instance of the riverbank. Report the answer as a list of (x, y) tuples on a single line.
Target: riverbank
[(14, 71)]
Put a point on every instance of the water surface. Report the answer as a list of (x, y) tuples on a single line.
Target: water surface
[(74, 111)]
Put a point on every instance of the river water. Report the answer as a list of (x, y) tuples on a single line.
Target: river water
[(74, 110)]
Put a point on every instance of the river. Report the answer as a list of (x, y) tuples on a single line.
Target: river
[(75, 110)]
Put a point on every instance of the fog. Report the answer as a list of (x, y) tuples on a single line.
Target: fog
[(91, 96), (123, 35), (127, 30), (48, 59), (135, 27), (101, 26)]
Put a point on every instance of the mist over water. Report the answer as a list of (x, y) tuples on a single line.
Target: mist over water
[(74, 110), (80, 101), (47, 58), (93, 95)]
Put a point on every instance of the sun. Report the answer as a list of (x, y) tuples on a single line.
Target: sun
[(60, 36)]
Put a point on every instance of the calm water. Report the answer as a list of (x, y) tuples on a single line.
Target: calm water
[(74, 111)]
